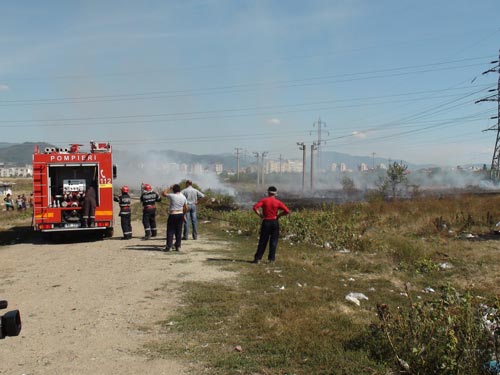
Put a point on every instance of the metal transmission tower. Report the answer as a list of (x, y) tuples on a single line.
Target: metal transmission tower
[(263, 155), (495, 161), (257, 155), (314, 147), (302, 147), (238, 163), (319, 125), (260, 167)]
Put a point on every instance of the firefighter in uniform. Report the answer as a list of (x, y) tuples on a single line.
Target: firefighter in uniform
[(148, 200), (125, 213), (89, 206)]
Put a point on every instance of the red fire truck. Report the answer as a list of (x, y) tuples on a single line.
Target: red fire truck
[(61, 177)]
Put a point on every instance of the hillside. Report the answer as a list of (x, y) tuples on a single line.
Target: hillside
[(20, 154)]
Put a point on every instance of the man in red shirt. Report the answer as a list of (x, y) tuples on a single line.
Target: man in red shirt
[(270, 209)]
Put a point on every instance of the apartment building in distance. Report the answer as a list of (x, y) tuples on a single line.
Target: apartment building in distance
[(26, 171)]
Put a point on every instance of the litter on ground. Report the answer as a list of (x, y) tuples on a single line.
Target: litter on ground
[(355, 297)]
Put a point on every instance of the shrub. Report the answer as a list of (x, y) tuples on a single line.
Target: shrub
[(442, 336), (330, 226)]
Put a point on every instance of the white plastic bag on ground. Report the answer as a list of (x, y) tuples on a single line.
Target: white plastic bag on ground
[(356, 297)]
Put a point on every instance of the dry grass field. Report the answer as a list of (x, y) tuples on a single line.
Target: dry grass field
[(398, 287), (425, 273)]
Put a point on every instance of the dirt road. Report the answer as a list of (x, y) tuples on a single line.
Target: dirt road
[(88, 307)]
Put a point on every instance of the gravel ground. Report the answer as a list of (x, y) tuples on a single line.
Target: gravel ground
[(89, 307)]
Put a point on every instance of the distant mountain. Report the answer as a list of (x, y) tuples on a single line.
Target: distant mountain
[(127, 157), (19, 154)]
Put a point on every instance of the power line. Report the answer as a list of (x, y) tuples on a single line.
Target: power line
[(203, 115), (230, 89), (442, 107)]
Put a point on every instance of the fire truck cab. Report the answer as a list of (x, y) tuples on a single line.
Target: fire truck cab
[(61, 177)]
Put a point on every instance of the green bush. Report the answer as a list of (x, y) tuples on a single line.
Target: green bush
[(446, 335), (329, 226)]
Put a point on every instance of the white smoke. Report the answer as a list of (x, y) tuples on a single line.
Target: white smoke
[(436, 179), (135, 168)]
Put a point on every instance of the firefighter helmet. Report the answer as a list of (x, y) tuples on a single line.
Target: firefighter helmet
[(147, 187), (125, 189)]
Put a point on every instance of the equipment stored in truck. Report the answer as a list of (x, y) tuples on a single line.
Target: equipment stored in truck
[(61, 179)]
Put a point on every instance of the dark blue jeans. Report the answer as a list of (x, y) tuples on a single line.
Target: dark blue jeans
[(191, 220), (174, 228), (269, 232)]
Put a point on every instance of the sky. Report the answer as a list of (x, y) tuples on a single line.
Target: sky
[(392, 79)]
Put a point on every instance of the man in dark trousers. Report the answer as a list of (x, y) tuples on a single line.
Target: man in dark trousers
[(148, 200), (89, 206), (125, 212), (270, 209)]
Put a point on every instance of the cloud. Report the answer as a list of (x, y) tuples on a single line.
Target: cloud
[(274, 121), (357, 134), (4, 87)]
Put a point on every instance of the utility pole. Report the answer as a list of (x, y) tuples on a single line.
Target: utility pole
[(238, 163), (263, 155), (495, 160), (373, 160), (257, 155), (314, 146), (319, 125), (302, 147)]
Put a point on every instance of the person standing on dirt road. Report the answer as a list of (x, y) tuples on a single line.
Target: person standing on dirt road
[(125, 213), (148, 200), (269, 209), (176, 216), (192, 195)]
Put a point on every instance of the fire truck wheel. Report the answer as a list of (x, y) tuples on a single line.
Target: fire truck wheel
[(109, 233)]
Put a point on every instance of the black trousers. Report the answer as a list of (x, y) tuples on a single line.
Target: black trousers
[(149, 221), (126, 224), (88, 212), (269, 232), (174, 228)]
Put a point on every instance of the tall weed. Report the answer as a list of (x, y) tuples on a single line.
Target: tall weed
[(445, 335), (329, 226)]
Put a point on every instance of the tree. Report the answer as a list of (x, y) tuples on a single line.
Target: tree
[(396, 178), (348, 184)]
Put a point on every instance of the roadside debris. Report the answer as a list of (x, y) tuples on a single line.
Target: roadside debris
[(445, 266), (356, 297), (468, 236)]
